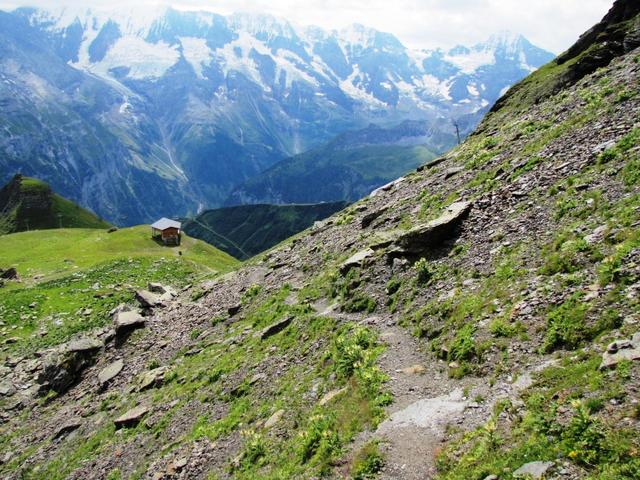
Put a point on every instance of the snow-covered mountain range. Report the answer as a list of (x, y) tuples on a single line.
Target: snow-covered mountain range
[(196, 103)]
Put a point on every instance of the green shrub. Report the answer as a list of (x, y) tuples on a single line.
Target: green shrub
[(367, 463), (566, 326), (422, 270), (463, 346)]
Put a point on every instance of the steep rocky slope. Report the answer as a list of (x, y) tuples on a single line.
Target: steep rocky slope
[(27, 203), (458, 323)]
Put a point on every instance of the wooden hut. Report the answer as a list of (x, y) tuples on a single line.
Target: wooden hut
[(167, 231)]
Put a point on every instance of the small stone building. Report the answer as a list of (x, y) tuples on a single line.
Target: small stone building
[(167, 231)]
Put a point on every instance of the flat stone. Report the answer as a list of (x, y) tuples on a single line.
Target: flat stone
[(450, 172), (67, 428), (356, 260), (331, 395), (7, 388), (534, 470), (84, 345), (433, 233), (152, 378), (147, 299), (125, 321), (110, 371), (132, 417), (273, 419), (386, 187), (621, 350), (413, 370), (275, 328)]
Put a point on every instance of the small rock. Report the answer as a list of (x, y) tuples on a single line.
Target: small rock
[(275, 328), (67, 428), (152, 378), (132, 417), (7, 388), (331, 395), (125, 321), (273, 419), (110, 372), (534, 470), (84, 345)]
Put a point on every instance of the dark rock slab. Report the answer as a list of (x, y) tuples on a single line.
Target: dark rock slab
[(275, 328), (67, 427), (62, 368)]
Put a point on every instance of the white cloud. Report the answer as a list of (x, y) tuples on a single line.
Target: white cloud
[(552, 24)]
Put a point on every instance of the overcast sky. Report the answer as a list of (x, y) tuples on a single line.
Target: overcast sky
[(552, 24)]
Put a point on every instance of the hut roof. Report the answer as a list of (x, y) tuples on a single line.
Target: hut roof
[(165, 223)]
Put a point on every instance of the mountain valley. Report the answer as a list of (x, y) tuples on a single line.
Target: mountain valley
[(141, 115), (477, 317)]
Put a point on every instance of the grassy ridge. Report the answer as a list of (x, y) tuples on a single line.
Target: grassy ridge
[(56, 252), (30, 204), (71, 278)]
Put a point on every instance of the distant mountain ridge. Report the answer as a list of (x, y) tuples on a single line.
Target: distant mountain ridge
[(138, 114)]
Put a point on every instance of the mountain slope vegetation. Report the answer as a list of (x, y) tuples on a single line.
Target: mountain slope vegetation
[(347, 168), (477, 318), (27, 203), (247, 230)]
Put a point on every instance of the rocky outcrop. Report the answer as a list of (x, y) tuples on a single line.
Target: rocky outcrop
[(63, 367)]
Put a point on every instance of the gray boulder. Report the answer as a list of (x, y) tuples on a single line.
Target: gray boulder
[(152, 378), (535, 470), (146, 299), (356, 260), (433, 233), (126, 321), (132, 417), (621, 350), (110, 372)]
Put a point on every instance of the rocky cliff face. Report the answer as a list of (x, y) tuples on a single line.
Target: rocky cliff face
[(448, 329)]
